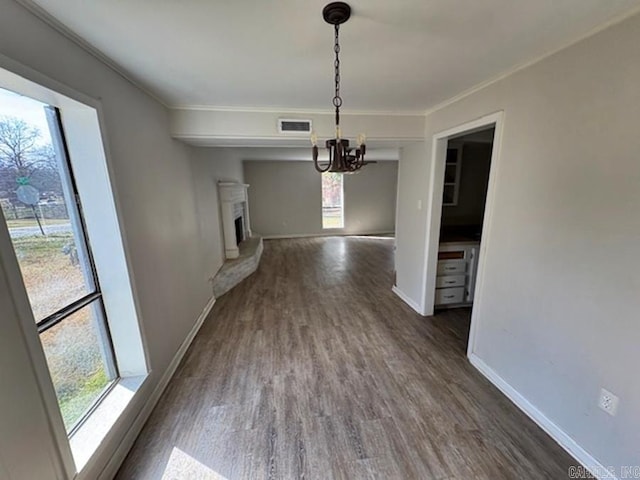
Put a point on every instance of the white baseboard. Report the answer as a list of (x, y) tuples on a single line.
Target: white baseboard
[(130, 436), (405, 298), (323, 234), (555, 432)]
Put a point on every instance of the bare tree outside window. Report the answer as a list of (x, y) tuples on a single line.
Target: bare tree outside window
[(27, 167)]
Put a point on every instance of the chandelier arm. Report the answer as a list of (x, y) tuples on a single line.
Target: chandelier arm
[(320, 169), (316, 163), (357, 156)]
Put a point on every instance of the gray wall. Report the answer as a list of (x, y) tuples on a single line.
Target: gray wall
[(474, 178), (210, 166), (285, 198), (154, 185), (558, 315)]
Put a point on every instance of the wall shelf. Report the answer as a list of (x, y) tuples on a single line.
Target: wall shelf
[(452, 169)]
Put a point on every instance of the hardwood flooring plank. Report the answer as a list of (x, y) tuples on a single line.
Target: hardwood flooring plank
[(312, 368)]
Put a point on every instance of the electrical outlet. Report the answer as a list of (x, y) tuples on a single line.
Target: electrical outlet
[(608, 402)]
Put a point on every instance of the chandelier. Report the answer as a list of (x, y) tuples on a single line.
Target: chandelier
[(342, 158)]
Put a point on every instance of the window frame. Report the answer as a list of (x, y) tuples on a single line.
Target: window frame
[(342, 202), (87, 141), (66, 175), (94, 297)]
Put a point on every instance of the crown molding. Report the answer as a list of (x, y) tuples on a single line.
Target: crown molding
[(521, 66), (54, 23), (297, 111)]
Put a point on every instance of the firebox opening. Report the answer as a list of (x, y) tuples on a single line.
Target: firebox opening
[(239, 230)]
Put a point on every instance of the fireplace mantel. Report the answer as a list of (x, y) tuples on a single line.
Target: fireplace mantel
[(232, 194)]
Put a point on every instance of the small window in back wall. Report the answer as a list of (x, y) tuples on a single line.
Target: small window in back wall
[(332, 200)]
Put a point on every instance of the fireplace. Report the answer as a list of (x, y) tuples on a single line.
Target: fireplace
[(239, 230), (234, 206)]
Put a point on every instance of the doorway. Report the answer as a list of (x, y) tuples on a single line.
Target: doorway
[(464, 166)]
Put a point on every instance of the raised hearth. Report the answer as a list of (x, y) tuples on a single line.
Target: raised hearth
[(236, 270)]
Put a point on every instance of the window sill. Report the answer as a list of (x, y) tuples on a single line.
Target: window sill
[(86, 440)]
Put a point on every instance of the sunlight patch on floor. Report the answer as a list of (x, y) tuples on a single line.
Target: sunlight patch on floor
[(182, 466)]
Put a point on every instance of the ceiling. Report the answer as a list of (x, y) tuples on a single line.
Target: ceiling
[(402, 56)]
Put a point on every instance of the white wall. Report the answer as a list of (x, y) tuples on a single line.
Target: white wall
[(154, 185), (559, 312), (411, 219), (285, 198), (210, 166)]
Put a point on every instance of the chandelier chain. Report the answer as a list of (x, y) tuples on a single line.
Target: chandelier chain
[(337, 100), (342, 157)]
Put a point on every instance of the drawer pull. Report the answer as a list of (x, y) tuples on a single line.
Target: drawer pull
[(449, 296), (450, 268), (450, 281)]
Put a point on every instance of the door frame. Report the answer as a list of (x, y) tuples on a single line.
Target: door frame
[(434, 215)]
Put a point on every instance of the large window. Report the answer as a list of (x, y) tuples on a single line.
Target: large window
[(332, 200), (41, 207)]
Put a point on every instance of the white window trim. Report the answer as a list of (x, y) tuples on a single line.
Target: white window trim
[(84, 129), (334, 229)]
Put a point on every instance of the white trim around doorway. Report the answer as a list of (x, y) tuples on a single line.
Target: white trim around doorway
[(434, 214)]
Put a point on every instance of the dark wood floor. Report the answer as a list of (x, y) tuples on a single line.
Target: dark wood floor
[(313, 369)]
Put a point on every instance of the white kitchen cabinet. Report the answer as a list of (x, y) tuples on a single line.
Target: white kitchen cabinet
[(449, 296), (456, 274), (448, 281)]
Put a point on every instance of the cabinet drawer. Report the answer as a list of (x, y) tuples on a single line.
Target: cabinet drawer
[(450, 281), (451, 255), (451, 267), (445, 296)]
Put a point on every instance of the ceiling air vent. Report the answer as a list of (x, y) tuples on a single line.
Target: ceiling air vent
[(294, 126)]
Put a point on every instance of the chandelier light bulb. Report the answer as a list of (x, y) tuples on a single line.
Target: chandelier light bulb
[(314, 138), (362, 138)]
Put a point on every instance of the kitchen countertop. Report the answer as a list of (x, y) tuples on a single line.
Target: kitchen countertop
[(457, 239), (460, 235)]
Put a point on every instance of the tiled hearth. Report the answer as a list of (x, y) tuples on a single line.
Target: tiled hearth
[(236, 270)]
